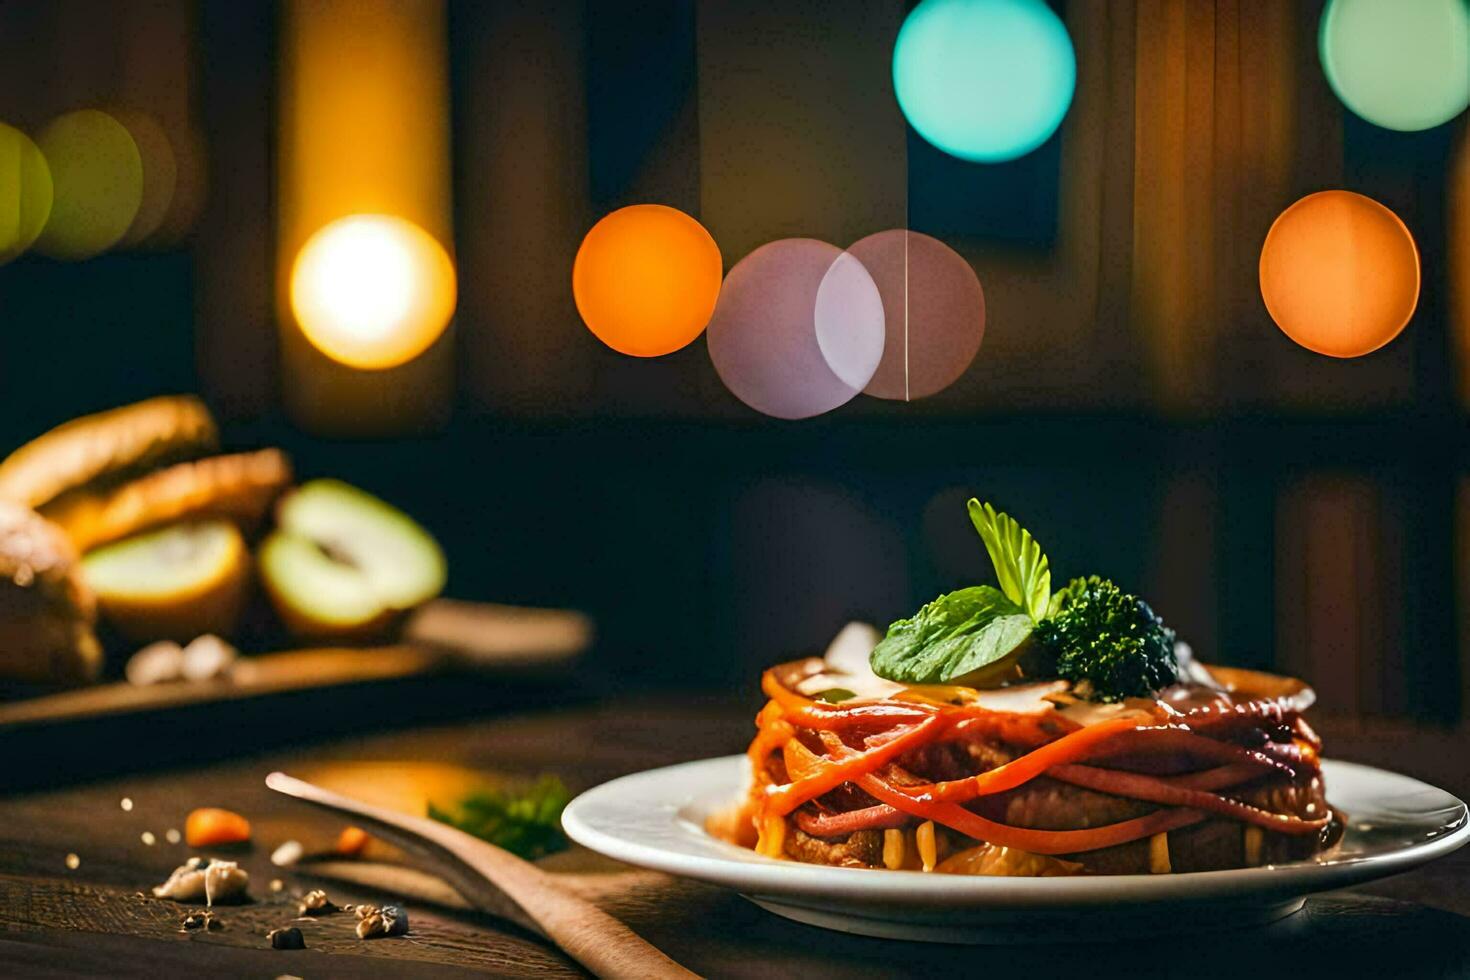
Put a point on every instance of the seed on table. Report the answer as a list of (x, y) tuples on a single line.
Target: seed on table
[(73, 862), (126, 803), (148, 838), (287, 938), (172, 835)]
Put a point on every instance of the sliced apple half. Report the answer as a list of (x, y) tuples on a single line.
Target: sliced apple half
[(174, 583), (343, 564)]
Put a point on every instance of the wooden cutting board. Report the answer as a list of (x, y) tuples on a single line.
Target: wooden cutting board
[(455, 660), (445, 635)]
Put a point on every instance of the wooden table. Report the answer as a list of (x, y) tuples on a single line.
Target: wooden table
[(92, 920)]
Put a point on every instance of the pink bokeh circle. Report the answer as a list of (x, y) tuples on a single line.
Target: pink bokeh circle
[(934, 309), (798, 329)]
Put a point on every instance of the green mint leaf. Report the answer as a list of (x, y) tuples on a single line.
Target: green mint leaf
[(525, 820), (1021, 569), (956, 636)]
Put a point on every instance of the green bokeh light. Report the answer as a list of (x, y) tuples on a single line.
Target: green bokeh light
[(25, 192), (97, 175), (1400, 64)]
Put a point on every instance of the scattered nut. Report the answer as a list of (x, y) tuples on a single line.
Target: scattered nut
[(374, 922), (224, 881), (206, 657), (147, 838), (288, 938), (206, 920), (126, 803), (73, 862), (186, 883), (157, 663), (172, 835), (277, 884), (315, 902), (198, 878), (287, 854)]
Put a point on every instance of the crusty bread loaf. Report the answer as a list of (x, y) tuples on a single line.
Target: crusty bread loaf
[(240, 487), (46, 611), (127, 439)]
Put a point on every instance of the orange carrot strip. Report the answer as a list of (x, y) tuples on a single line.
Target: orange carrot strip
[(774, 730), (812, 714), (788, 699), (1012, 774), (784, 799), (1036, 841)]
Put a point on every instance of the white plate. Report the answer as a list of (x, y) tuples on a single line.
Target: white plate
[(655, 819)]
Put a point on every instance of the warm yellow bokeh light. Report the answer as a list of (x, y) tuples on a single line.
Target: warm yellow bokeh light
[(1340, 273), (646, 279), (372, 290), (25, 192), (97, 175)]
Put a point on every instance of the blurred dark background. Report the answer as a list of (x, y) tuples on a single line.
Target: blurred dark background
[(1133, 405)]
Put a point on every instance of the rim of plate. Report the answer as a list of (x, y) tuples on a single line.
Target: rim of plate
[(653, 819)]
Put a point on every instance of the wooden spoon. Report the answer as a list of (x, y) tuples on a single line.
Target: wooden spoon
[(496, 881)]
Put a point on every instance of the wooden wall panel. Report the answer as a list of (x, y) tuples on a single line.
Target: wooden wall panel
[(234, 248), (1186, 565), (81, 336), (1461, 593), (1057, 333), (522, 185), (1459, 260), (1339, 562), (363, 128), (800, 134)]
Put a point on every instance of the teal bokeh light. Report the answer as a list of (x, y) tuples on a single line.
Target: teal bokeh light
[(984, 80), (1400, 64)]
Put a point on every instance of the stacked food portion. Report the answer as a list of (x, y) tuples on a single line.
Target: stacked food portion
[(133, 517), (1017, 731)]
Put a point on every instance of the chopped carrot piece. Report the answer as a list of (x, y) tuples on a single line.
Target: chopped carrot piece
[(351, 841), (209, 826)]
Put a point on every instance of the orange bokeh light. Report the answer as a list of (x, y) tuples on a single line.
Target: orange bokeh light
[(646, 279), (1340, 273)]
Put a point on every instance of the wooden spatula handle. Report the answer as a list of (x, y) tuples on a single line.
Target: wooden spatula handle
[(589, 935)]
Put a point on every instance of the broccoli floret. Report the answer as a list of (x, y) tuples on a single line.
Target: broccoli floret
[(1108, 639)]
